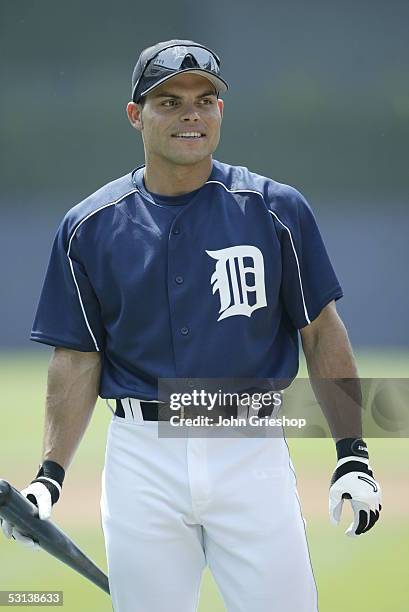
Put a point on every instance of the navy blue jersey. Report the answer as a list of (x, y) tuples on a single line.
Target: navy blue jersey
[(215, 284)]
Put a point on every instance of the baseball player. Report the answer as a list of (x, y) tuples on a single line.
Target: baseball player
[(191, 268)]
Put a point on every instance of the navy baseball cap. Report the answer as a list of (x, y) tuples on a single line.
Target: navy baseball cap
[(164, 60)]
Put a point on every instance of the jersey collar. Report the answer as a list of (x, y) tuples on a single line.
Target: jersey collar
[(137, 177)]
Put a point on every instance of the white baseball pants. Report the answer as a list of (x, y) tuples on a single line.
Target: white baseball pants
[(171, 506)]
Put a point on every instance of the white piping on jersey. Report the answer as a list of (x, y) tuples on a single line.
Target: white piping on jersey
[(298, 266), (289, 233), (71, 264)]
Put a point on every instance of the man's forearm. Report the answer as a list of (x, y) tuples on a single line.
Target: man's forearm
[(333, 374), (72, 391)]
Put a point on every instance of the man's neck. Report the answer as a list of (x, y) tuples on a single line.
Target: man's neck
[(174, 180)]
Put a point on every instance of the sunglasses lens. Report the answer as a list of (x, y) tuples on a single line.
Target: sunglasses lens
[(177, 58)]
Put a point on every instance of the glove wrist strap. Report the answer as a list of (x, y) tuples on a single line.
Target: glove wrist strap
[(351, 447), (51, 475), (53, 471), (53, 482)]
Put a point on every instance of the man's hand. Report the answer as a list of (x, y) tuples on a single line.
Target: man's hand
[(44, 491), (353, 480)]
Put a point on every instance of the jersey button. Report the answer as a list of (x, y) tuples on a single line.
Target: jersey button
[(184, 331), (179, 280), (176, 231)]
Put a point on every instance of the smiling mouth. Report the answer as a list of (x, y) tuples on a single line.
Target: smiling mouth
[(189, 135)]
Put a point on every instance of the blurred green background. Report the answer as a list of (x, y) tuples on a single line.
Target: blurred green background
[(367, 573)]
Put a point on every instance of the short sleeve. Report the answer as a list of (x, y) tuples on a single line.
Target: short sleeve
[(308, 279), (68, 312)]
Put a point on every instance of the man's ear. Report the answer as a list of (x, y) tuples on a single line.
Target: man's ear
[(220, 104), (134, 112)]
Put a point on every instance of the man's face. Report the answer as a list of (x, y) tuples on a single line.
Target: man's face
[(180, 120)]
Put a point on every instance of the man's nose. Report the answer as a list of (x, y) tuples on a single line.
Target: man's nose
[(190, 114)]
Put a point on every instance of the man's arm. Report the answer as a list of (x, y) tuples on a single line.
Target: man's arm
[(72, 391), (334, 377), (333, 372), (326, 346)]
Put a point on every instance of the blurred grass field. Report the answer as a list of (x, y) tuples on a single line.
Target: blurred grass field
[(368, 573)]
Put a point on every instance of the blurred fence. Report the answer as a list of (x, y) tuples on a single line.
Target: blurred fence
[(319, 98)]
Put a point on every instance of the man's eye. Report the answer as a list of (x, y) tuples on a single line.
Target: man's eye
[(169, 103), (207, 101)]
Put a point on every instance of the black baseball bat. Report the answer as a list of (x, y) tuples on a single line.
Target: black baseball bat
[(21, 513)]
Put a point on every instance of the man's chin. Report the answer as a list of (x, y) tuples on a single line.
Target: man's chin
[(189, 159)]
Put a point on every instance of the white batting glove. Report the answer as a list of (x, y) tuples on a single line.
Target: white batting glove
[(353, 480), (44, 491)]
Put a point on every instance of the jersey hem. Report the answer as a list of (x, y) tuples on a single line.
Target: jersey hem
[(335, 294), (50, 341), (132, 395)]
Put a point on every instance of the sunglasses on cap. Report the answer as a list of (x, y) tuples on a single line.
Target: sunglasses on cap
[(178, 59)]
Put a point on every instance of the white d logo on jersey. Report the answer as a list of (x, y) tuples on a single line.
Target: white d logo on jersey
[(234, 296)]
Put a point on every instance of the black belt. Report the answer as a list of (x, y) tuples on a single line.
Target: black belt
[(150, 411), (155, 411)]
